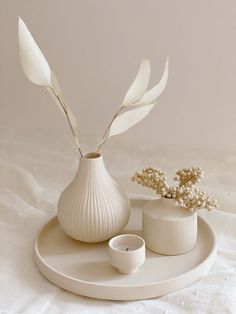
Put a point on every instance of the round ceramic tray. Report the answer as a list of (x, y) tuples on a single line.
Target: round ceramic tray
[(85, 269)]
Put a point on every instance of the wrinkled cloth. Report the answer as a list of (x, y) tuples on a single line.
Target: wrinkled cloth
[(32, 178)]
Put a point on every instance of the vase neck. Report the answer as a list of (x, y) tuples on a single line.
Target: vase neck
[(91, 163)]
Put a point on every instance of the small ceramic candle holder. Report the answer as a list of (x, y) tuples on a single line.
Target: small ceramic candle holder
[(127, 252)]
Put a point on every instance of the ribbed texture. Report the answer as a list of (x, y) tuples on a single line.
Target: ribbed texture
[(169, 236), (93, 208)]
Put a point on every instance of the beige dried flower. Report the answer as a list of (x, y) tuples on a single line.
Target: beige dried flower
[(184, 192)]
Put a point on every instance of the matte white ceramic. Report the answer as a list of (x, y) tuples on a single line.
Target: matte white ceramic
[(127, 252), (85, 268), (93, 208), (168, 228)]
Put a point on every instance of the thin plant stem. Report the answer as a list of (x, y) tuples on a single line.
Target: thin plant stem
[(105, 133), (73, 131), (186, 181)]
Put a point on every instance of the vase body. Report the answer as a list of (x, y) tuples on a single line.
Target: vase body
[(93, 208), (168, 228)]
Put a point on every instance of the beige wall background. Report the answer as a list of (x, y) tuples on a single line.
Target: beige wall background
[(95, 47)]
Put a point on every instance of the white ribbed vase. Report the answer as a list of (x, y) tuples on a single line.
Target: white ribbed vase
[(93, 208), (168, 228)]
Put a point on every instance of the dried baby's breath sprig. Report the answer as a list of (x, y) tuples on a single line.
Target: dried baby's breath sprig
[(188, 176), (198, 200), (183, 193), (151, 178)]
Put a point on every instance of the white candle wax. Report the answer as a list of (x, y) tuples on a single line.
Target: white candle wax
[(127, 247)]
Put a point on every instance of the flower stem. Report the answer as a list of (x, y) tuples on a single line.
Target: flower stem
[(186, 181), (105, 133), (73, 131)]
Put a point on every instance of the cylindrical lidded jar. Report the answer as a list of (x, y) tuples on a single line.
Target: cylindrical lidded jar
[(168, 228)]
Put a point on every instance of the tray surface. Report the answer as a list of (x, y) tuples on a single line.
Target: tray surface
[(85, 269)]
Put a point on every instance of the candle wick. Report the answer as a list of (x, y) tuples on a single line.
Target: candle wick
[(127, 249)]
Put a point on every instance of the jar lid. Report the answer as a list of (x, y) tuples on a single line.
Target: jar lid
[(167, 209)]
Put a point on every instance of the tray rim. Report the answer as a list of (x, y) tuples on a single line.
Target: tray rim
[(202, 267)]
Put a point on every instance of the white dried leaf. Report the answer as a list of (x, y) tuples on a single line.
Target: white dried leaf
[(37, 70), (33, 62), (152, 95), (128, 119), (139, 85)]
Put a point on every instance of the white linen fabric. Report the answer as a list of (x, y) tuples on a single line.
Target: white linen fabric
[(32, 177)]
